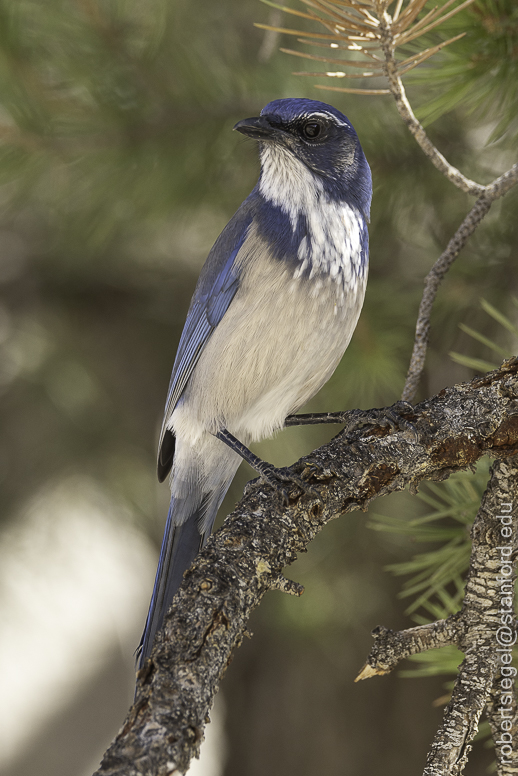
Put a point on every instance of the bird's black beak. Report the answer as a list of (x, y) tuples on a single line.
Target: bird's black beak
[(258, 128)]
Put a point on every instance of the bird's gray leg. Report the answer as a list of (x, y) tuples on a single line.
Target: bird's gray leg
[(272, 475), (317, 418), (354, 419)]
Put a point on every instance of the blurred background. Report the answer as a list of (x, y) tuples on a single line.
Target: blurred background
[(118, 169)]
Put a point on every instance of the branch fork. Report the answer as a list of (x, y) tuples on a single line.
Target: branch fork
[(480, 630)]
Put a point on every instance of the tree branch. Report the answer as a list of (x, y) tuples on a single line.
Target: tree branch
[(483, 636), (484, 630), (503, 721), (245, 559), (487, 195), (391, 647), (497, 189), (387, 42)]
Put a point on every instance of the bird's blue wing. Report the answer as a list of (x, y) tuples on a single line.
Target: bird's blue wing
[(217, 285), (205, 313)]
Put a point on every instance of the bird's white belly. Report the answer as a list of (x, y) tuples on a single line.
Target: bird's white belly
[(277, 344)]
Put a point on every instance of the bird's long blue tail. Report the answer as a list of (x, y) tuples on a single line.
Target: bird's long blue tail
[(180, 545), (183, 539)]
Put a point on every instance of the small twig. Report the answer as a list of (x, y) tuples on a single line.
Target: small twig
[(431, 286), (391, 647), (287, 586), (387, 33), (407, 114), (497, 189)]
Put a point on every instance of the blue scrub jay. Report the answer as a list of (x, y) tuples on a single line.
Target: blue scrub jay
[(274, 309)]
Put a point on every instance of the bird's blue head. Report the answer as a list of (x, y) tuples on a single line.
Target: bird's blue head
[(322, 139)]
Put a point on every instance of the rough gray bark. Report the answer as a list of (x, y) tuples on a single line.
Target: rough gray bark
[(245, 559), (484, 629)]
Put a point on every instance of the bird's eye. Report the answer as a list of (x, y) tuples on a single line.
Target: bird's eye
[(311, 130)]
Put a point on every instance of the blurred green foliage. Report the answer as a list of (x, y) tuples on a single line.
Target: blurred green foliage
[(118, 169), (479, 73), (436, 584), (499, 351)]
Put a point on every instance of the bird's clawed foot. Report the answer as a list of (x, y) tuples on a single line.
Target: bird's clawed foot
[(390, 417), (278, 477)]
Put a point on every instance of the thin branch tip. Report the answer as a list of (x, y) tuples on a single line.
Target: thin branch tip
[(287, 586), (368, 672)]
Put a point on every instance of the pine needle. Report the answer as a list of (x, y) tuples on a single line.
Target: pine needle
[(320, 35), (498, 316), (351, 90), (409, 14), (292, 11), (426, 18), (397, 10), (424, 55), (342, 46), (411, 36), (356, 23), (346, 62), (484, 340), (339, 74), (477, 364)]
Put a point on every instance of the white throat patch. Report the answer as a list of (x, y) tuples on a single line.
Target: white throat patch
[(333, 243)]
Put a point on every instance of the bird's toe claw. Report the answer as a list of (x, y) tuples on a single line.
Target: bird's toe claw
[(390, 417), (276, 477), (398, 422)]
